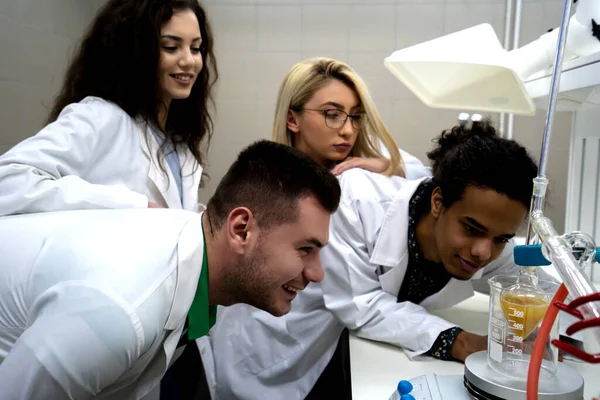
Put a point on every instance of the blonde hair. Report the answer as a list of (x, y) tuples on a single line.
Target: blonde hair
[(307, 77)]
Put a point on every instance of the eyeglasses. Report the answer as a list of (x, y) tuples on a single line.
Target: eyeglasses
[(335, 118)]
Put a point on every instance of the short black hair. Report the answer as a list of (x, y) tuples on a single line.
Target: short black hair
[(269, 179), (474, 155)]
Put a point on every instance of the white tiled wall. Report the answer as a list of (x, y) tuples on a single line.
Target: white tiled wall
[(257, 41), (583, 202), (36, 38)]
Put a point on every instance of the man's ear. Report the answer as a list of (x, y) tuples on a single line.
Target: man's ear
[(292, 122), (437, 204), (242, 230)]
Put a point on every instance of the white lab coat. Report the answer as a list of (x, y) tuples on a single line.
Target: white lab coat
[(413, 167), (93, 303), (93, 156), (257, 356)]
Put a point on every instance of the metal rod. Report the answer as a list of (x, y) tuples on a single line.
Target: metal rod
[(508, 23), (538, 199), (517, 30), (515, 45), (508, 15), (556, 74), (510, 126)]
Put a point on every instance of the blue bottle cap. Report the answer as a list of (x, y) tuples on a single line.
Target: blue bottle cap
[(405, 387), (407, 397)]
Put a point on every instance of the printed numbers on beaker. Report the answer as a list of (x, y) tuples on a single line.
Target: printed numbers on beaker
[(517, 339), (517, 326), (497, 322), (497, 334), (517, 351), (518, 314)]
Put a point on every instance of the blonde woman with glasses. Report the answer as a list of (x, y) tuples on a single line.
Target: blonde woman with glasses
[(324, 109)]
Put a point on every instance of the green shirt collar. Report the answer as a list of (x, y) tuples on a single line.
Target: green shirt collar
[(201, 316)]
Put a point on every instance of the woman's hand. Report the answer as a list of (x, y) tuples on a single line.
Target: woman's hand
[(377, 165), (153, 205)]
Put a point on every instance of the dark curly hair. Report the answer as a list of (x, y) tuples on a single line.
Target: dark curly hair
[(118, 60), (474, 155)]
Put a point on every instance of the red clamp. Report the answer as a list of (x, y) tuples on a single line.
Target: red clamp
[(571, 308)]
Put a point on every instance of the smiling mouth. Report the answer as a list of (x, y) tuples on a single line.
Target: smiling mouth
[(183, 77), (469, 266), (291, 288)]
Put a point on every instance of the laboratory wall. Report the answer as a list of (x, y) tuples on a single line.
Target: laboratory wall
[(36, 39), (257, 41), (583, 194)]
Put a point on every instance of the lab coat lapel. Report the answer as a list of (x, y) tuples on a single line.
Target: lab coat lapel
[(163, 180), (191, 174), (392, 280), (170, 343), (158, 366), (391, 247), (190, 250)]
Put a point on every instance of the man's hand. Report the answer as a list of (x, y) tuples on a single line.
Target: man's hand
[(467, 343), (153, 205)]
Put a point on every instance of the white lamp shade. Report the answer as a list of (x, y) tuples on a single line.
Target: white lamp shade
[(466, 70)]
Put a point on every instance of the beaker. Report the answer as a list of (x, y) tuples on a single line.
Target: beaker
[(514, 322)]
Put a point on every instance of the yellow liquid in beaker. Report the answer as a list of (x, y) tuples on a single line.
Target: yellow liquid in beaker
[(523, 313)]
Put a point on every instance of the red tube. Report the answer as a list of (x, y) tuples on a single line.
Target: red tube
[(535, 364)]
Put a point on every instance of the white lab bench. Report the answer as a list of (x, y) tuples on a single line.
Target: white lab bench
[(376, 367)]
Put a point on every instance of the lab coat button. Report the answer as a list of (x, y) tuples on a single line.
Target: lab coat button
[(214, 385), (202, 349)]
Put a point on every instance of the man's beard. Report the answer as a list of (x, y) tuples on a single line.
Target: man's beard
[(247, 283)]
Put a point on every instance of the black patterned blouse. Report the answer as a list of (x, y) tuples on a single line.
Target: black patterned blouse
[(423, 277)]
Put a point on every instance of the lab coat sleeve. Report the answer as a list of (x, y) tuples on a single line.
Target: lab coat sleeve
[(44, 172), (20, 383), (413, 167), (352, 290), (80, 339)]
